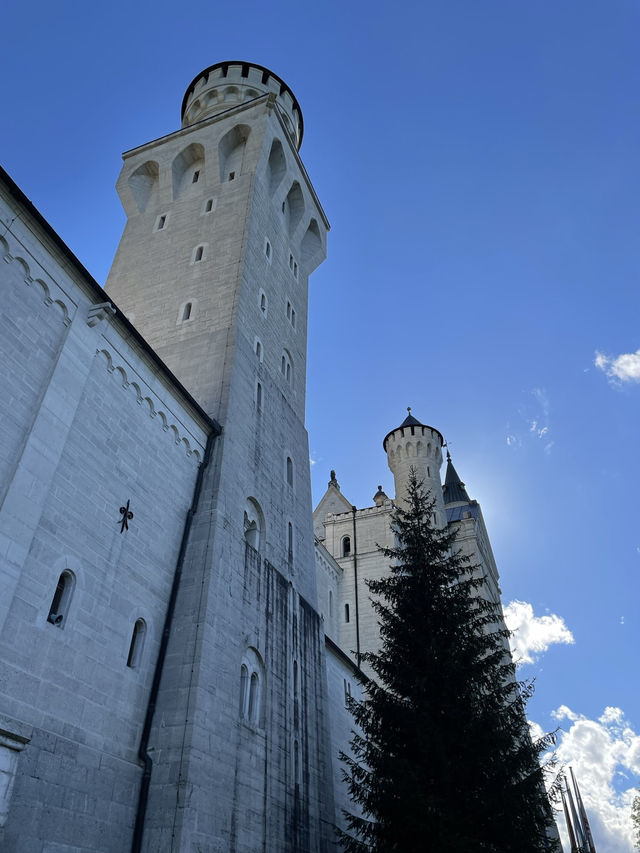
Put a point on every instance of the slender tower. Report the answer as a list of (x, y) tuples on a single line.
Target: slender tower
[(414, 445), (223, 230)]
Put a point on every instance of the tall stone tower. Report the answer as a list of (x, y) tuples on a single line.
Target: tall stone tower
[(223, 230)]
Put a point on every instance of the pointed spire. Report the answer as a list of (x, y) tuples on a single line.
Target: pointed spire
[(453, 489), (410, 420)]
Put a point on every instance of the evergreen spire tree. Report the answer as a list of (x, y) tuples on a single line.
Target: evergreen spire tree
[(442, 760)]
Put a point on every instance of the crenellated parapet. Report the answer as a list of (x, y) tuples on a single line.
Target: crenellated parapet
[(227, 84)]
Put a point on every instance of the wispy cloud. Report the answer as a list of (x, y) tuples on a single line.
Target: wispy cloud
[(532, 634), (620, 368), (605, 757), (534, 421)]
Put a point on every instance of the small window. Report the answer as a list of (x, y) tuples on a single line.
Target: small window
[(291, 262), (284, 204), (137, 642), (254, 686), (289, 471), (346, 613), (295, 270), (196, 177), (346, 547), (290, 541), (161, 222), (347, 691), (286, 368), (59, 609), (293, 318), (208, 205), (232, 176), (267, 249), (263, 302), (291, 314), (186, 313), (198, 254), (258, 349), (428, 471), (244, 684), (259, 396)]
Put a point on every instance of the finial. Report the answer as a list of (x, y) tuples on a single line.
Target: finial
[(333, 482), (409, 409)]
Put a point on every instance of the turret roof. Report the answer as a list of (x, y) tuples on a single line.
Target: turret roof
[(453, 489), (410, 421)]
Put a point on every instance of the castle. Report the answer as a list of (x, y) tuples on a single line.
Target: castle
[(179, 631)]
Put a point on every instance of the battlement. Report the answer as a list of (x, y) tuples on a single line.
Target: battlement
[(227, 84)]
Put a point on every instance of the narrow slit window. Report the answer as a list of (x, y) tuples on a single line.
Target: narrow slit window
[(199, 254), (295, 270), (59, 608), (290, 541), (330, 603), (208, 206), (346, 546), (196, 177), (137, 641), (253, 697), (259, 350), (267, 249), (263, 303), (346, 613), (289, 471), (293, 318), (244, 693), (186, 314), (232, 176), (259, 396), (161, 222)]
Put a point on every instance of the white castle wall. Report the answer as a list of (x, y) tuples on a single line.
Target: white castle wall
[(92, 421)]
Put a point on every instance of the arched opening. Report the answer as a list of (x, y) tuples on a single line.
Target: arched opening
[(59, 609), (346, 546), (187, 169), (277, 166), (254, 687), (231, 150), (143, 184), (293, 207), (137, 643), (346, 613), (253, 524), (244, 684)]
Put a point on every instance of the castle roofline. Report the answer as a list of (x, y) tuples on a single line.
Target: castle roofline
[(102, 296), (266, 74), (407, 423)]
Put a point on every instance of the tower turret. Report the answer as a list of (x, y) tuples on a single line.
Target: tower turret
[(416, 445), (227, 84)]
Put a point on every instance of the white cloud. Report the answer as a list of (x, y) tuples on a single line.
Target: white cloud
[(532, 634), (622, 368), (534, 411), (605, 757)]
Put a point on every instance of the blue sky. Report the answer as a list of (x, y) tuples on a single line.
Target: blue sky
[(478, 163)]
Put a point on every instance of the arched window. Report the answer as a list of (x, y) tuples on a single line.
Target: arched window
[(286, 367), (253, 524), (137, 643), (254, 688), (244, 684), (289, 471), (251, 681), (61, 601), (346, 546), (346, 613)]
